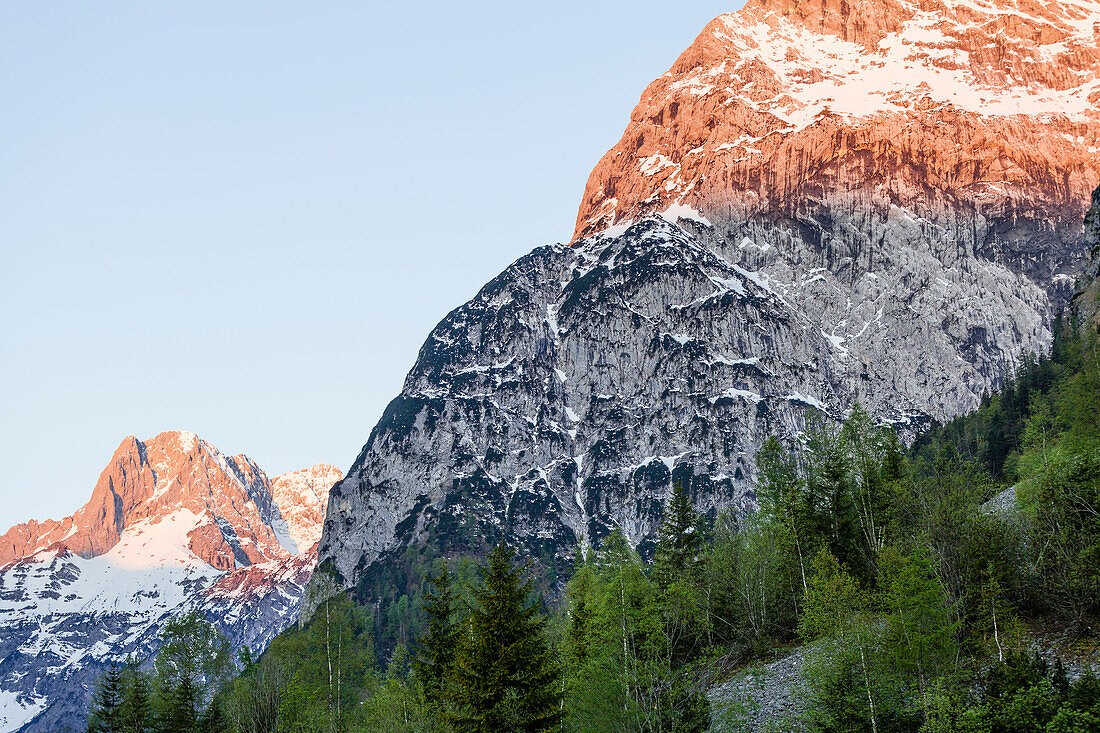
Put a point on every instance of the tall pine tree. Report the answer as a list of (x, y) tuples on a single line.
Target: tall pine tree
[(137, 716), (435, 658), (504, 677), (106, 712), (680, 547)]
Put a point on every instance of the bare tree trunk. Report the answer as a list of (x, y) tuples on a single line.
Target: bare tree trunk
[(622, 606), (339, 667), (867, 684), (996, 631), (328, 655)]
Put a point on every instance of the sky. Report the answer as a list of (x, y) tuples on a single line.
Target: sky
[(244, 219)]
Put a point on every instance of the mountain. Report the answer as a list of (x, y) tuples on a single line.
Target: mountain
[(947, 109), (820, 203), (173, 525)]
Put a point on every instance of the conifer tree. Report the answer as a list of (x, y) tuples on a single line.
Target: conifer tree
[(179, 707), (136, 711), (679, 549), (435, 658), (580, 611), (106, 712), (504, 677), (214, 719), (782, 495)]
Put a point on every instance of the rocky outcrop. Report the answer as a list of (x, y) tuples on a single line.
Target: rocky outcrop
[(819, 204), (769, 696), (173, 525)]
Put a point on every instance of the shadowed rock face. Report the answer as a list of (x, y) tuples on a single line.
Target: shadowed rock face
[(173, 525), (1086, 302), (565, 399), (819, 204)]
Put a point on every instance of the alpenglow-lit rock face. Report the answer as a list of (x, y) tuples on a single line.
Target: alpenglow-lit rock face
[(819, 204), (173, 525), (972, 114)]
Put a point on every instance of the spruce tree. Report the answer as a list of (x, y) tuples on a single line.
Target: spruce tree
[(179, 708), (214, 719), (679, 549), (784, 499), (504, 677), (580, 612), (435, 658), (136, 712), (105, 715)]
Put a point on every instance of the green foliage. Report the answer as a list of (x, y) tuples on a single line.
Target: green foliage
[(190, 672), (839, 494), (622, 673), (136, 708), (395, 703), (919, 635), (754, 581), (438, 644), (107, 713), (194, 662), (253, 701), (1020, 695), (333, 665), (504, 676), (679, 547)]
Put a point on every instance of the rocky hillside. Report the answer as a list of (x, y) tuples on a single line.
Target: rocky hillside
[(173, 525), (819, 203)]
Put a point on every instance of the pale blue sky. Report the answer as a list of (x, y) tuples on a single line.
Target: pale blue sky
[(244, 219)]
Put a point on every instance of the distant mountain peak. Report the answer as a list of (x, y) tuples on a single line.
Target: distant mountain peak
[(172, 525)]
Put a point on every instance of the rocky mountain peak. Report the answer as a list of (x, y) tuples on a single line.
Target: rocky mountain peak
[(238, 520), (934, 107), (173, 525), (302, 497), (821, 203)]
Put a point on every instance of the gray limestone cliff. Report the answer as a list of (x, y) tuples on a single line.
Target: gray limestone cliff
[(565, 399)]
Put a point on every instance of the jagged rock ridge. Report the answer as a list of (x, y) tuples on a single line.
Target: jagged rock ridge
[(173, 525), (767, 236)]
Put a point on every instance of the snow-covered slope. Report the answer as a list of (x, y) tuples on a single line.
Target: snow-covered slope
[(196, 531)]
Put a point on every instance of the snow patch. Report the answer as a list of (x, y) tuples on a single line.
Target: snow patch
[(18, 710), (673, 214), (799, 397), (654, 164), (735, 393)]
